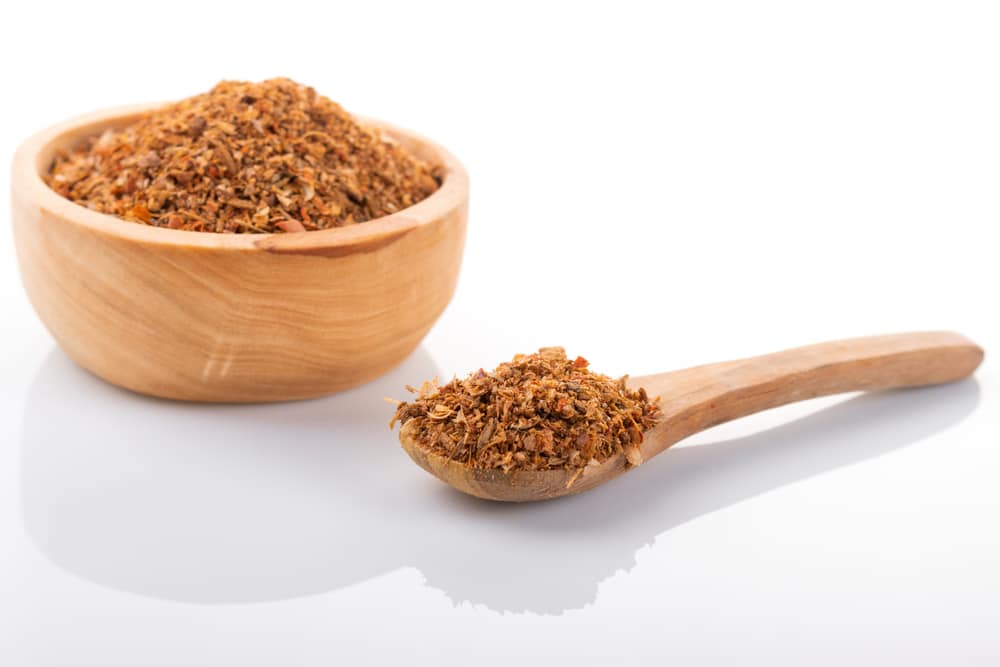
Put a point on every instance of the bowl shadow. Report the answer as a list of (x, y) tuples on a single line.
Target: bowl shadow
[(219, 504)]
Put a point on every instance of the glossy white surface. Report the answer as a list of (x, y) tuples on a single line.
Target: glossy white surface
[(651, 191)]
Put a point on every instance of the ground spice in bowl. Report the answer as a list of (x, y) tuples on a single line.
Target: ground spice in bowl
[(540, 411), (245, 157)]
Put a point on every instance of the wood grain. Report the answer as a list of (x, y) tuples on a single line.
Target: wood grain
[(698, 398), (234, 318)]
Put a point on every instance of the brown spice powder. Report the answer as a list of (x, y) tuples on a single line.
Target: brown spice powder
[(539, 411), (245, 157)]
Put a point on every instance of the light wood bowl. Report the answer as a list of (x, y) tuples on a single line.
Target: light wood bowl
[(201, 316)]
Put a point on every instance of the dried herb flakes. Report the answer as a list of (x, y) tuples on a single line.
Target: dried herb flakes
[(539, 411), (245, 157)]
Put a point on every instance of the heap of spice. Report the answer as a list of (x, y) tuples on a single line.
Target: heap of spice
[(245, 157), (539, 411)]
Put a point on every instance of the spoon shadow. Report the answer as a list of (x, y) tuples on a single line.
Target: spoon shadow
[(228, 504)]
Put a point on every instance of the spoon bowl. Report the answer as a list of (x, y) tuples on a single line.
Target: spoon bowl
[(695, 399)]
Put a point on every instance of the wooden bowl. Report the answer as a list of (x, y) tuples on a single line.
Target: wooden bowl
[(201, 316)]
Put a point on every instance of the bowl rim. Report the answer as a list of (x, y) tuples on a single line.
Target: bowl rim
[(27, 183)]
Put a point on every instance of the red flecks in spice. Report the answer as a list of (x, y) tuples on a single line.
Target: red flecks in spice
[(537, 412), (245, 157)]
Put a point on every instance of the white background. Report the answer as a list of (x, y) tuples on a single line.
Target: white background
[(651, 188)]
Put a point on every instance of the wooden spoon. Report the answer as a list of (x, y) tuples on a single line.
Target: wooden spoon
[(698, 398)]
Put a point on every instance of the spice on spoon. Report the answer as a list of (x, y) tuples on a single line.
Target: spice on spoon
[(245, 157), (540, 411)]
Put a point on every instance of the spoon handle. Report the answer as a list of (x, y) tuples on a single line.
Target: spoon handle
[(695, 399)]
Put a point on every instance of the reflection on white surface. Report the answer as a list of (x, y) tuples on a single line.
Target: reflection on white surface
[(213, 504)]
